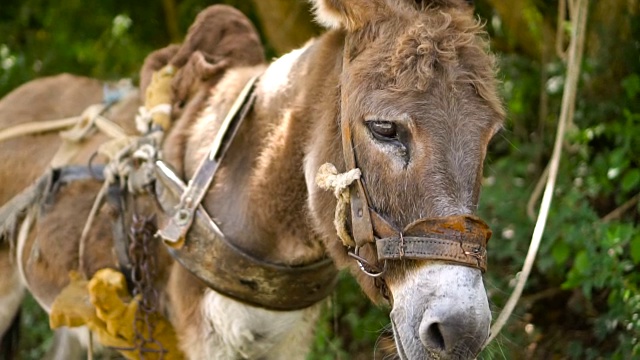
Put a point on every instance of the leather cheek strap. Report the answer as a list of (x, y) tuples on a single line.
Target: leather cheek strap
[(361, 227)]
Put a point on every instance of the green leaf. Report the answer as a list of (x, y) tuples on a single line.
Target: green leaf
[(635, 249), (618, 158), (614, 297), (560, 252), (631, 179), (581, 264), (632, 85)]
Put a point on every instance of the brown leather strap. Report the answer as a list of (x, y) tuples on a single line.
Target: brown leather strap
[(175, 230), (461, 239), (361, 228), (433, 248), (209, 255)]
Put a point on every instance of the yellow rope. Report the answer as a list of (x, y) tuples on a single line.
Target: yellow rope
[(156, 111), (328, 178)]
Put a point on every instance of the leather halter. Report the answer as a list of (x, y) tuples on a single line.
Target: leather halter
[(195, 240), (460, 239)]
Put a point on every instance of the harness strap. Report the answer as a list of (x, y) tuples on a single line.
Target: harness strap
[(460, 239), (431, 248), (361, 227), (176, 229), (209, 255)]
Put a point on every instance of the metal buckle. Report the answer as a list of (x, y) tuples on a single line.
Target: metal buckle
[(476, 253), (375, 271)]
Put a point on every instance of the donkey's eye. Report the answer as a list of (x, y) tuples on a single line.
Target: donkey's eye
[(383, 130)]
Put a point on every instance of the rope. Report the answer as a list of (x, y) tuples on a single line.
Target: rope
[(535, 195), (328, 178), (90, 345), (23, 234), (562, 14), (90, 120), (120, 168), (87, 226), (11, 211), (156, 111), (37, 127), (576, 46), (83, 127), (145, 117)]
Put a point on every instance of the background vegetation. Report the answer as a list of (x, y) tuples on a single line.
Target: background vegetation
[(583, 298)]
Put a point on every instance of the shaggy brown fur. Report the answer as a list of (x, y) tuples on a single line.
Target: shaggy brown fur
[(440, 53), (453, 110), (221, 37)]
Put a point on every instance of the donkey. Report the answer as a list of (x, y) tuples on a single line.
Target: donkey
[(404, 91)]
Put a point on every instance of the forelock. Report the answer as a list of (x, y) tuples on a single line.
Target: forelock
[(452, 43)]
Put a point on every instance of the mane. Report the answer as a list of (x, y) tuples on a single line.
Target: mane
[(449, 42)]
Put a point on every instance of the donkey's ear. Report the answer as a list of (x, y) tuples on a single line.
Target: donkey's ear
[(349, 14)]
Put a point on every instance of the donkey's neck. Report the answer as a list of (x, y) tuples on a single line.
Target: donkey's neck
[(259, 196)]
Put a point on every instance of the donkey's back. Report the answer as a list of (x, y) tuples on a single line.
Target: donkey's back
[(25, 158)]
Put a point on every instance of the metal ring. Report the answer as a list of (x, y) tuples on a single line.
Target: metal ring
[(362, 261)]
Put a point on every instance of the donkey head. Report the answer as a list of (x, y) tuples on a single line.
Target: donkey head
[(418, 91)]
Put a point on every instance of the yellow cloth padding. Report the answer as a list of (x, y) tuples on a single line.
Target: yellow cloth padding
[(104, 305), (158, 93)]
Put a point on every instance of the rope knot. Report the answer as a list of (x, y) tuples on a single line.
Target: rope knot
[(328, 178), (146, 118)]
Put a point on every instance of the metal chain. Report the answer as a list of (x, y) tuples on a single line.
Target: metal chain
[(143, 270)]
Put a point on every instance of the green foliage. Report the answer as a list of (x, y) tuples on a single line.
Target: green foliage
[(608, 264), (586, 273), (107, 40), (70, 37), (36, 337), (349, 325)]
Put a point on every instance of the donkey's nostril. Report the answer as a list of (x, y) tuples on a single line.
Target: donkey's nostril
[(434, 338), (454, 334)]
